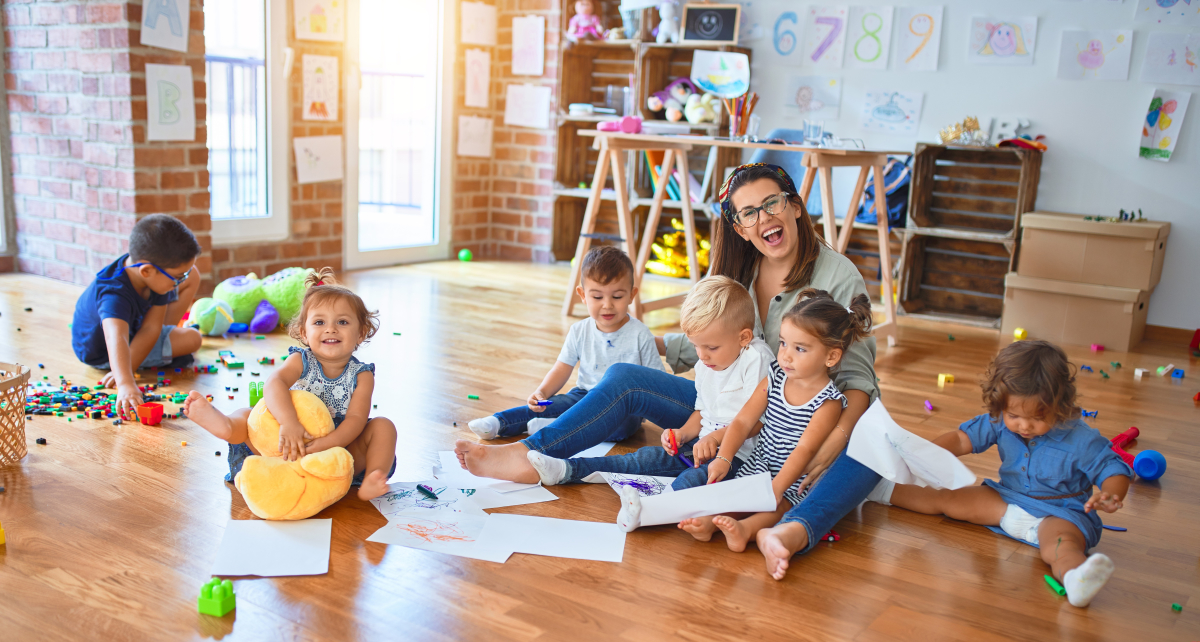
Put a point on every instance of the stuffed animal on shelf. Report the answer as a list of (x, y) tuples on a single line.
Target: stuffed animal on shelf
[(211, 317), (585, 24), (277, 489), (672, 99), (701, 109), (668, 23)]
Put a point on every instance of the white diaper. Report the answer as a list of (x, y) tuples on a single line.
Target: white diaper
[(1019, 524)]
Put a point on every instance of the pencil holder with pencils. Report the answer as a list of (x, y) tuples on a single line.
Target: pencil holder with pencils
[(743, 124)]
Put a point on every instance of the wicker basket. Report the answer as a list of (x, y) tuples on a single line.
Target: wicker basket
[(13, 380)]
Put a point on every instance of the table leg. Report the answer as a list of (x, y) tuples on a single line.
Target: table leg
[(689, 220), (888, 328), (589, 224), (826, 176), (843, 240)]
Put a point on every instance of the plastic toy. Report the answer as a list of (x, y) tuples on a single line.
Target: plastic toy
[(281, 490), (1087, 414), (265, 319), (1019, 334), (1, 534), (1103, 374), (624, 124), (928, 406), (465, 255), (1096, 347), (1177, 373), (944, 379), (238, 328), (150, 413), (1086, 368), (216, 598), (1138, 372), (242, 293), (1122, 440), (1178, 608), (211, 317), (1054, 585), (1149, 465), (668, 24), (1162, 370), (1115, 364), (585, 24), (256, 392), (475, 397)]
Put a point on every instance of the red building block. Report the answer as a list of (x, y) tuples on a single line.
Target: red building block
[(150, 413)]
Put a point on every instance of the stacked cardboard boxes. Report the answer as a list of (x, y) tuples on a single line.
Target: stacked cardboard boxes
[(1084, 282)]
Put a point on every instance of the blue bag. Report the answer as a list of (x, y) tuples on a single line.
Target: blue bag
[(897, 176)]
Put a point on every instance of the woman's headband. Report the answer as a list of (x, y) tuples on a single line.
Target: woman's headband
[(727, 205)]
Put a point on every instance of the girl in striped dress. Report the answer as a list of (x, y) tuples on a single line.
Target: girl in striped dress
[(799, 407)]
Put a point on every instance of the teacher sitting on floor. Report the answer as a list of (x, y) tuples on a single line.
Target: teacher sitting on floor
[(766, 241)]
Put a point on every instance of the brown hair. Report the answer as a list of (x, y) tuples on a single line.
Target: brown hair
[(717, 298), (835, 325), (1035, 369), (737, 258), (605, 264), (321, 288)]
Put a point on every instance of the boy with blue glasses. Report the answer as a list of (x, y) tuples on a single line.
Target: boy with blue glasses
[(128, 317)]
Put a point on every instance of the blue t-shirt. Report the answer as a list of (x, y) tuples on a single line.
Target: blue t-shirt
[(110, 296)]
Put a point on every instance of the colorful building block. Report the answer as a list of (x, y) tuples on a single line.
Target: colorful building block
[(150, 413), (1086, 368), (1020, 334), (1138, 372), (928, 406), (216, 598), (1177, 373), (1096, 347), (256, 392), (944, 379), (1162, 370)]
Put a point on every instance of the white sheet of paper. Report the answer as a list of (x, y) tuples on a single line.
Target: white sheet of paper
[(165, 24), (475, 136), (919, 38), (403, 497), (479, 78), (318, 158), (825, 37), (1161, 125), (1172, 58), (879, 443), (599, 450), (1095, 55), (751, 494), (478, 23), (274, 549), (323, 20), (1002, 41), (320, 87), (487, 498), (529, 45), (455, 475), (527, 106), (898, 112), (440, 532), (814, 96), (1167, 12), (645, 485), (554, 537), (170, 103), (869, 37)]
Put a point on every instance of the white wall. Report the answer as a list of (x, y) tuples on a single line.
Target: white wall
[(1092, 127)]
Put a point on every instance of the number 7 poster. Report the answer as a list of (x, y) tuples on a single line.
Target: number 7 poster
[(869, 37), (825, 37), (919, 38)]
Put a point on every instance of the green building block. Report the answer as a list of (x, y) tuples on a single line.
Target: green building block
[(256, 392), (217, 598), (234, 365), (473, 397), (1115, 364)]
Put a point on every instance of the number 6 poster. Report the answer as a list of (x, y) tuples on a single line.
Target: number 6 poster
[(825, 37), (919, 38), (869, 37)]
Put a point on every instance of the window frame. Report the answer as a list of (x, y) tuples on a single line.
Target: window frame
[(276, 225)]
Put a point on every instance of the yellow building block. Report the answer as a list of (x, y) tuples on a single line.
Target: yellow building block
[(1, 535), (1020, 334), (944, 379)]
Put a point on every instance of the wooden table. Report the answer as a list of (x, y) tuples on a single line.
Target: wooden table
[(675, 149)]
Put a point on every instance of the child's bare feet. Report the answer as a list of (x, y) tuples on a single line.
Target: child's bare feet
[(778, 544), (701, 528), (374, 484), (509, 462), (199, 410), (736, 534)]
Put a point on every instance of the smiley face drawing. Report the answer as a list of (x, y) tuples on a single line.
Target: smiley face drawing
[(1004, 40), (709, 24)]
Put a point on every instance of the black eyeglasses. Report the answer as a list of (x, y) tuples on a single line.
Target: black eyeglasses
[(165, 273), (772, 205)]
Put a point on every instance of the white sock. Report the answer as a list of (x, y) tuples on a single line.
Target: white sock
[(485, 427), (551, 470), (630, 516), (1084, 581), (535, 425), (882, 494)]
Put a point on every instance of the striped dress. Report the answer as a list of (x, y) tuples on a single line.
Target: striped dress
[(783, 424)]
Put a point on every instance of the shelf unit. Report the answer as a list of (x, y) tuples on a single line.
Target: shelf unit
[(585, 71)]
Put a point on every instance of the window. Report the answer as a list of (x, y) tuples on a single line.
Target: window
[(246, 119)]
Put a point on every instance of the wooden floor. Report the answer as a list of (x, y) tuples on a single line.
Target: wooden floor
[(112, 530)]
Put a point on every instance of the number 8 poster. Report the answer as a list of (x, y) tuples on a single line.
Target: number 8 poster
[(919, 38), (869, 37), (825, 37)]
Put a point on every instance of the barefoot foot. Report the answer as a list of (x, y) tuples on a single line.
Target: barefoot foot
[(374, 484), (199, 410), (509, 462), (701, 528), (736, 533), (778, 544), (630, 515)]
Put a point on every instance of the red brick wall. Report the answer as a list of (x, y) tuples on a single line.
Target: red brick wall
[(82, 170), (315, 238)]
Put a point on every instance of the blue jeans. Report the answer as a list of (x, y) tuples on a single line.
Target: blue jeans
[(514, 421), (651, 460), (626, 391), (844, 486)]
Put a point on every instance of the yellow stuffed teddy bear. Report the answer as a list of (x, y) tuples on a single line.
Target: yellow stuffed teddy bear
[(286, 490)]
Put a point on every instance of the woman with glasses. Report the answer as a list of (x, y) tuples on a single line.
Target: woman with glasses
[(765, 241)]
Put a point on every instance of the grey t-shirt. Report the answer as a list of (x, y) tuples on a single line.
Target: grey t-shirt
[(595, 351)]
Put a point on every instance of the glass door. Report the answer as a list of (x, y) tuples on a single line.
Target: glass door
[(395, 209)]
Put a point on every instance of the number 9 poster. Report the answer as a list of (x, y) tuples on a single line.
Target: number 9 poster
[(919, 38)]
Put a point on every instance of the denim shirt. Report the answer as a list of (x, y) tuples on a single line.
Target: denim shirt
[(833, 273)]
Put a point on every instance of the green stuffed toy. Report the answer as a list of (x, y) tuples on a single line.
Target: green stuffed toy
[(242, 293), (211, 317), (284, 290)]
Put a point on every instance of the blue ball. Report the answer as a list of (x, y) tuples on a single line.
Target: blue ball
[(1149, 465)]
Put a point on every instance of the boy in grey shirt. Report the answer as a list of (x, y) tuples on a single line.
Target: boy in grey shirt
[(609, 335)]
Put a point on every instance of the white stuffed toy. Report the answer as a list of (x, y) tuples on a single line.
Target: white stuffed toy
[(668, 25), (701, 109)]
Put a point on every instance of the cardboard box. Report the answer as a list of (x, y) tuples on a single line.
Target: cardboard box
[(1067, 248), (1074, 313)]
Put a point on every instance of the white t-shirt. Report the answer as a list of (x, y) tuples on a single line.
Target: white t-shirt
[(721, 395), (595, 351)]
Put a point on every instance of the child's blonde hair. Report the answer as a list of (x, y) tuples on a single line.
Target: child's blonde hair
[(321, 288), (834, 325), (713, 298)]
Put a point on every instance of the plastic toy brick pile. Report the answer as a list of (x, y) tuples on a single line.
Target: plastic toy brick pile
[(45, 398)]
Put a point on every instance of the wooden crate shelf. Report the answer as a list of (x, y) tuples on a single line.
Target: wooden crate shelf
[(982, 190), (954, 278)]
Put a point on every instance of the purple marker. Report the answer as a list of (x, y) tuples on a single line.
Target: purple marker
[(685, 461), (544, 403)]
